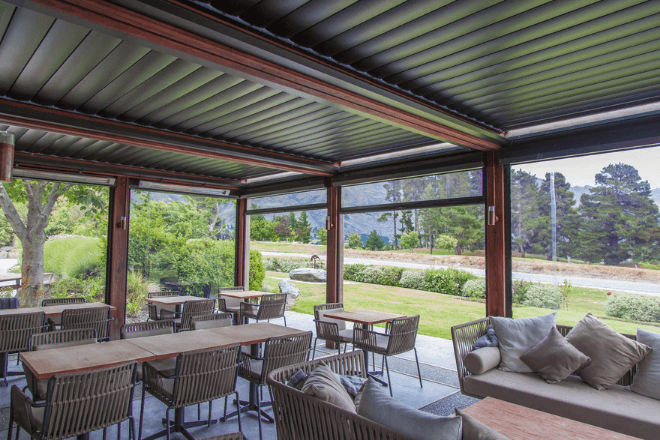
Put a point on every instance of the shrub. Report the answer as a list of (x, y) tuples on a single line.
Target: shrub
[(136, 293), (351, 271), (633, 307), (412, 279), (447, 281), (201, 263), (544, 296), (520, 288), (287, 265), (385, 276), (474, 289), (257, 272), (72, 256), (90, 288), (389, 276)]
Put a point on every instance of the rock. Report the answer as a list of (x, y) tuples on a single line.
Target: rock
[(308, 274), (289, 288)]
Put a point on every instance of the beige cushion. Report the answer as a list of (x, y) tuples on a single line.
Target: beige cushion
[(617, 409), (340, 323), (165, 366), (473, 429), (234, 303), (323, 384), (346, 335), (516, 336), (482, 360), (611, 353), (554, 358), (647, 378)]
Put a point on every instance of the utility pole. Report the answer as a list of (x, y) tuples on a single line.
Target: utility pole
[(553, 215)]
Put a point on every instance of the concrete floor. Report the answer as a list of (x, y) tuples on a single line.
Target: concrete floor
[(439, 395)]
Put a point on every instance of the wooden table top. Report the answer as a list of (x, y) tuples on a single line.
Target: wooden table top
[(168, 346), (365, 317), (174, 300), (242, 294), (519, 423), (248, 334), (53, 310)]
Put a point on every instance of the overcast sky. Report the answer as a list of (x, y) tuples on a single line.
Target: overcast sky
[(580, 171)]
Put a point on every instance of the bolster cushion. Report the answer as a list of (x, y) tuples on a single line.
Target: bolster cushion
[(482, 360)]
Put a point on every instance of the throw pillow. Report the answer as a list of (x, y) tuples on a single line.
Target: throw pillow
[(473, 429), (554, 358), (323, 384), (647, 379), (516, 336), (377, 405), (611, 353), (297, 380), (487, 340), (352, 384), (482, 360)]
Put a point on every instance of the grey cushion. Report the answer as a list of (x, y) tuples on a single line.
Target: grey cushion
[(340, 323), (611, 353), (516, 336), (323, 384), (212, 323), (473, 429), (487, 340), (482, 360), (346, 335), (166, 366), (554, 358), (352, 384), (297, 380), (377, 405), (617, 409), (647, 379)]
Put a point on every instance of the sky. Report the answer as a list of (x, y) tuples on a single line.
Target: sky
[(580, 171)]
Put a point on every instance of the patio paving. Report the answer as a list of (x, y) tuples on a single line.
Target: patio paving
[(439, 395)]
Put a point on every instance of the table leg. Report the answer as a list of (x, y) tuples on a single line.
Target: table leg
[(251, 403)]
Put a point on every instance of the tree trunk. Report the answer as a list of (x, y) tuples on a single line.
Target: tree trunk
[(394, 224), (32, 269)]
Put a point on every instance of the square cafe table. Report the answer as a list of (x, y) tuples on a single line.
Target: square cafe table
[(242, 294)]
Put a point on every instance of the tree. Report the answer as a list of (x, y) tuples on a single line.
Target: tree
[(262, 229), (393, 195), (410, 240), (322, 234), (303, 228), (209, 208), (354, 241), (41, 197), (524, 210), (385, 217), (465, 223), (283, 228), (622, 217), (374, 242), (446, 242)]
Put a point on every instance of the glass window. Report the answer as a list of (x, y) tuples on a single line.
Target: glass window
[(293, 199)]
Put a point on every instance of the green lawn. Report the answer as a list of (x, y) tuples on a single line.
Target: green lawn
[(438, 313)]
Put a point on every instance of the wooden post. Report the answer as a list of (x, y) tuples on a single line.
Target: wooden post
[(120, 199), (242, 244), (335, 247), (495, 237)]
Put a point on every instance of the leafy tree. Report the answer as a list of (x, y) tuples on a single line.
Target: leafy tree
[(257, 272), (385, 218), (446, 242), (354, 241), (262, 229), (209, 208), (374, 242), (465, 223), (322, 234), (303, 228), (40, 198), (622, 217), (406, 222), (524, 209), (283, 228), (410, 240), (568, 219)]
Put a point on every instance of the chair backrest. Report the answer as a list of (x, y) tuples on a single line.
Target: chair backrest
[(162, 293), (285, 350), (404, 334), (93, 317), (321, 309), (328, 306), (214, 320), (9, 303), (272, 306), (231, 289), (15, 330), (78, 403), (205, 375), (62, 338), (60, 301), (228, 301), (195, 308), (145, 329)]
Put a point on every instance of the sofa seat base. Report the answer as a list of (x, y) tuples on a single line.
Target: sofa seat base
[(617, 409)]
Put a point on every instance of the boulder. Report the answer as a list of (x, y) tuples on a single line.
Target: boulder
[(289, 288), (308, 274)]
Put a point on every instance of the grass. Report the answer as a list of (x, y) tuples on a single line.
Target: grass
[(438, 313), (72, 256), (269, 246)]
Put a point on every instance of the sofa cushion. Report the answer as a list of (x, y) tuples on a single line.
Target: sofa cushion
[(554, 358), (617, 409), (473, 429), (516, 336), (482, 360), (323, 384), (489, 339), (611, 353), (377, 406), (647, 379)]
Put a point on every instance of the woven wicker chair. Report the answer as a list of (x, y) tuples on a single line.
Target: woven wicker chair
[(199, 376), (278, 352), (146, 329), (192, 309), (158, 311), (302, 416), (229, 304), (49, 341), (234, 436), (15, 332), (97, 318), (399, 337), (77, 403), (215, 320), (60, 301), (271, 307), (328, 329)]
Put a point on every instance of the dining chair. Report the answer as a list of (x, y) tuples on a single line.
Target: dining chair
[(150, 328), (232, 436), (228, 303), (199, 376), (48, 341), (161, 311), (77, 403), (97, 318), (191, 309), (15, 332), (278, 352), (55, 321), (399, 337), (271, 306), (215, 320), (329, 329)]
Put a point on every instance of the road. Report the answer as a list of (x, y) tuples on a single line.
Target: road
[(593, 283)]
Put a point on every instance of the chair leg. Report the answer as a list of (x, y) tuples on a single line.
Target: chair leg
[(167, 423), (240, 428), (314, 351), (210, 408), (419, 373), (284, 320), (105, 431), (141, 412), (224, 418), (259, 413), (199, 411), (119, 431), (389, 381), (131, 427), (11, 425)]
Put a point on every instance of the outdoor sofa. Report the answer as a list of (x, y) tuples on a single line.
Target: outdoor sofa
[(617, 409)]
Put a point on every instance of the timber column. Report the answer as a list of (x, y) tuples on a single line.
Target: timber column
[(495, 237), (120, 199), (335, 246), (242, 244)]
